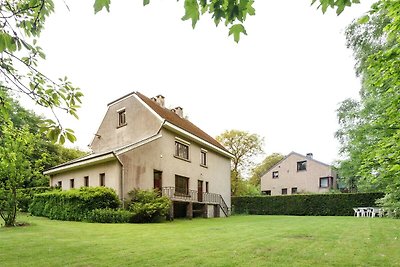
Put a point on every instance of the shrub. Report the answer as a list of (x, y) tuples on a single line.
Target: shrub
[(109, 216), (148, 206), (74, 204), (312, 205), (25, 196), (391, 204)]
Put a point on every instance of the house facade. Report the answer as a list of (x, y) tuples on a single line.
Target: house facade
[(142, 144), (296, 174)]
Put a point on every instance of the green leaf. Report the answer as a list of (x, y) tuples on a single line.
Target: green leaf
[(236, 30), (146, 2), (250, 9), (70, 137), (62, 139), (363, 19), (3, 45), (100, 4), (191, 11)]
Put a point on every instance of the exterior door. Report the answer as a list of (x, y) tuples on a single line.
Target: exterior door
[(158, 180), (199, 191)]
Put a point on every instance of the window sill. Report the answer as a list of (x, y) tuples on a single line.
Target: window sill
[(204, 166), (122, 125), (187, 160)]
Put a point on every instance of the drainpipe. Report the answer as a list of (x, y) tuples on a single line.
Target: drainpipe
[(122, 186), (122, 178)]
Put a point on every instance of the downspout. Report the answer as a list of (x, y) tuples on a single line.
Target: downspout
[(122, 186), (122, 179)]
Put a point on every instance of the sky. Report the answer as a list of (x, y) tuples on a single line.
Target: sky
[(283, 81)]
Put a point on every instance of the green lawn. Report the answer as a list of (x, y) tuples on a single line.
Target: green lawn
[(234, 241)]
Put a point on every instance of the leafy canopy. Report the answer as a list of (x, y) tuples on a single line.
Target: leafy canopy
[(244, 147), (21, 24), (232, 13), (46, 153), (370, 127)]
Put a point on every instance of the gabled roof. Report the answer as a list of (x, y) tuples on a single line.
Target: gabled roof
[(182, 123), (298, 154)]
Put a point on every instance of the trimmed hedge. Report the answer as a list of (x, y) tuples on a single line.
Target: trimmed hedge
[(312, 205), (74, 204), (25, 196), (109, 216)]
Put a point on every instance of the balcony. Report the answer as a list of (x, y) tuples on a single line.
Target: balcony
[(196, 197)]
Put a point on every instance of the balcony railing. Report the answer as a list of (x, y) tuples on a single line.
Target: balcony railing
[(194, 196)]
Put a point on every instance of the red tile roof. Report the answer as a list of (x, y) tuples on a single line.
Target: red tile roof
[(184, 124)]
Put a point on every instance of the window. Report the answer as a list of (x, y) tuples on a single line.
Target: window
[(206, 187), (181, 150), (324, 182), (266, 192), (121, 118), (302, 165), (275, 174), (59, 184), (203, 158), (181, 185), (284, 191), (294, 190), (86, 181), (71, 183), (102, 178)]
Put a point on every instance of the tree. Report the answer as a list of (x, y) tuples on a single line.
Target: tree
[(370, 127), (15, 167), (245, 147), (263, 167), (22, 22), (46, 153)]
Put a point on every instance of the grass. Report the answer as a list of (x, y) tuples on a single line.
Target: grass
[(233, 241)]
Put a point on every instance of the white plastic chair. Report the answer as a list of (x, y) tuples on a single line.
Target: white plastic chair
[(374, 212), (362, 211), (357, 212)]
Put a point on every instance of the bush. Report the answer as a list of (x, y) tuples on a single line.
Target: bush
[(74, 204), (109, 216), (148, 206), (391, 204), (25, 196), (312, 205)]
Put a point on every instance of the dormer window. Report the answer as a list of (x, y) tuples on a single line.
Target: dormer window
[(121, 117)]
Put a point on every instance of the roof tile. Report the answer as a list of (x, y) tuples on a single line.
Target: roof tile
[(184, 124)]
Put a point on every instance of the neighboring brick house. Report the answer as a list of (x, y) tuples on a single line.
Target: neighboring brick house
[(298, 174), (142, 144)]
